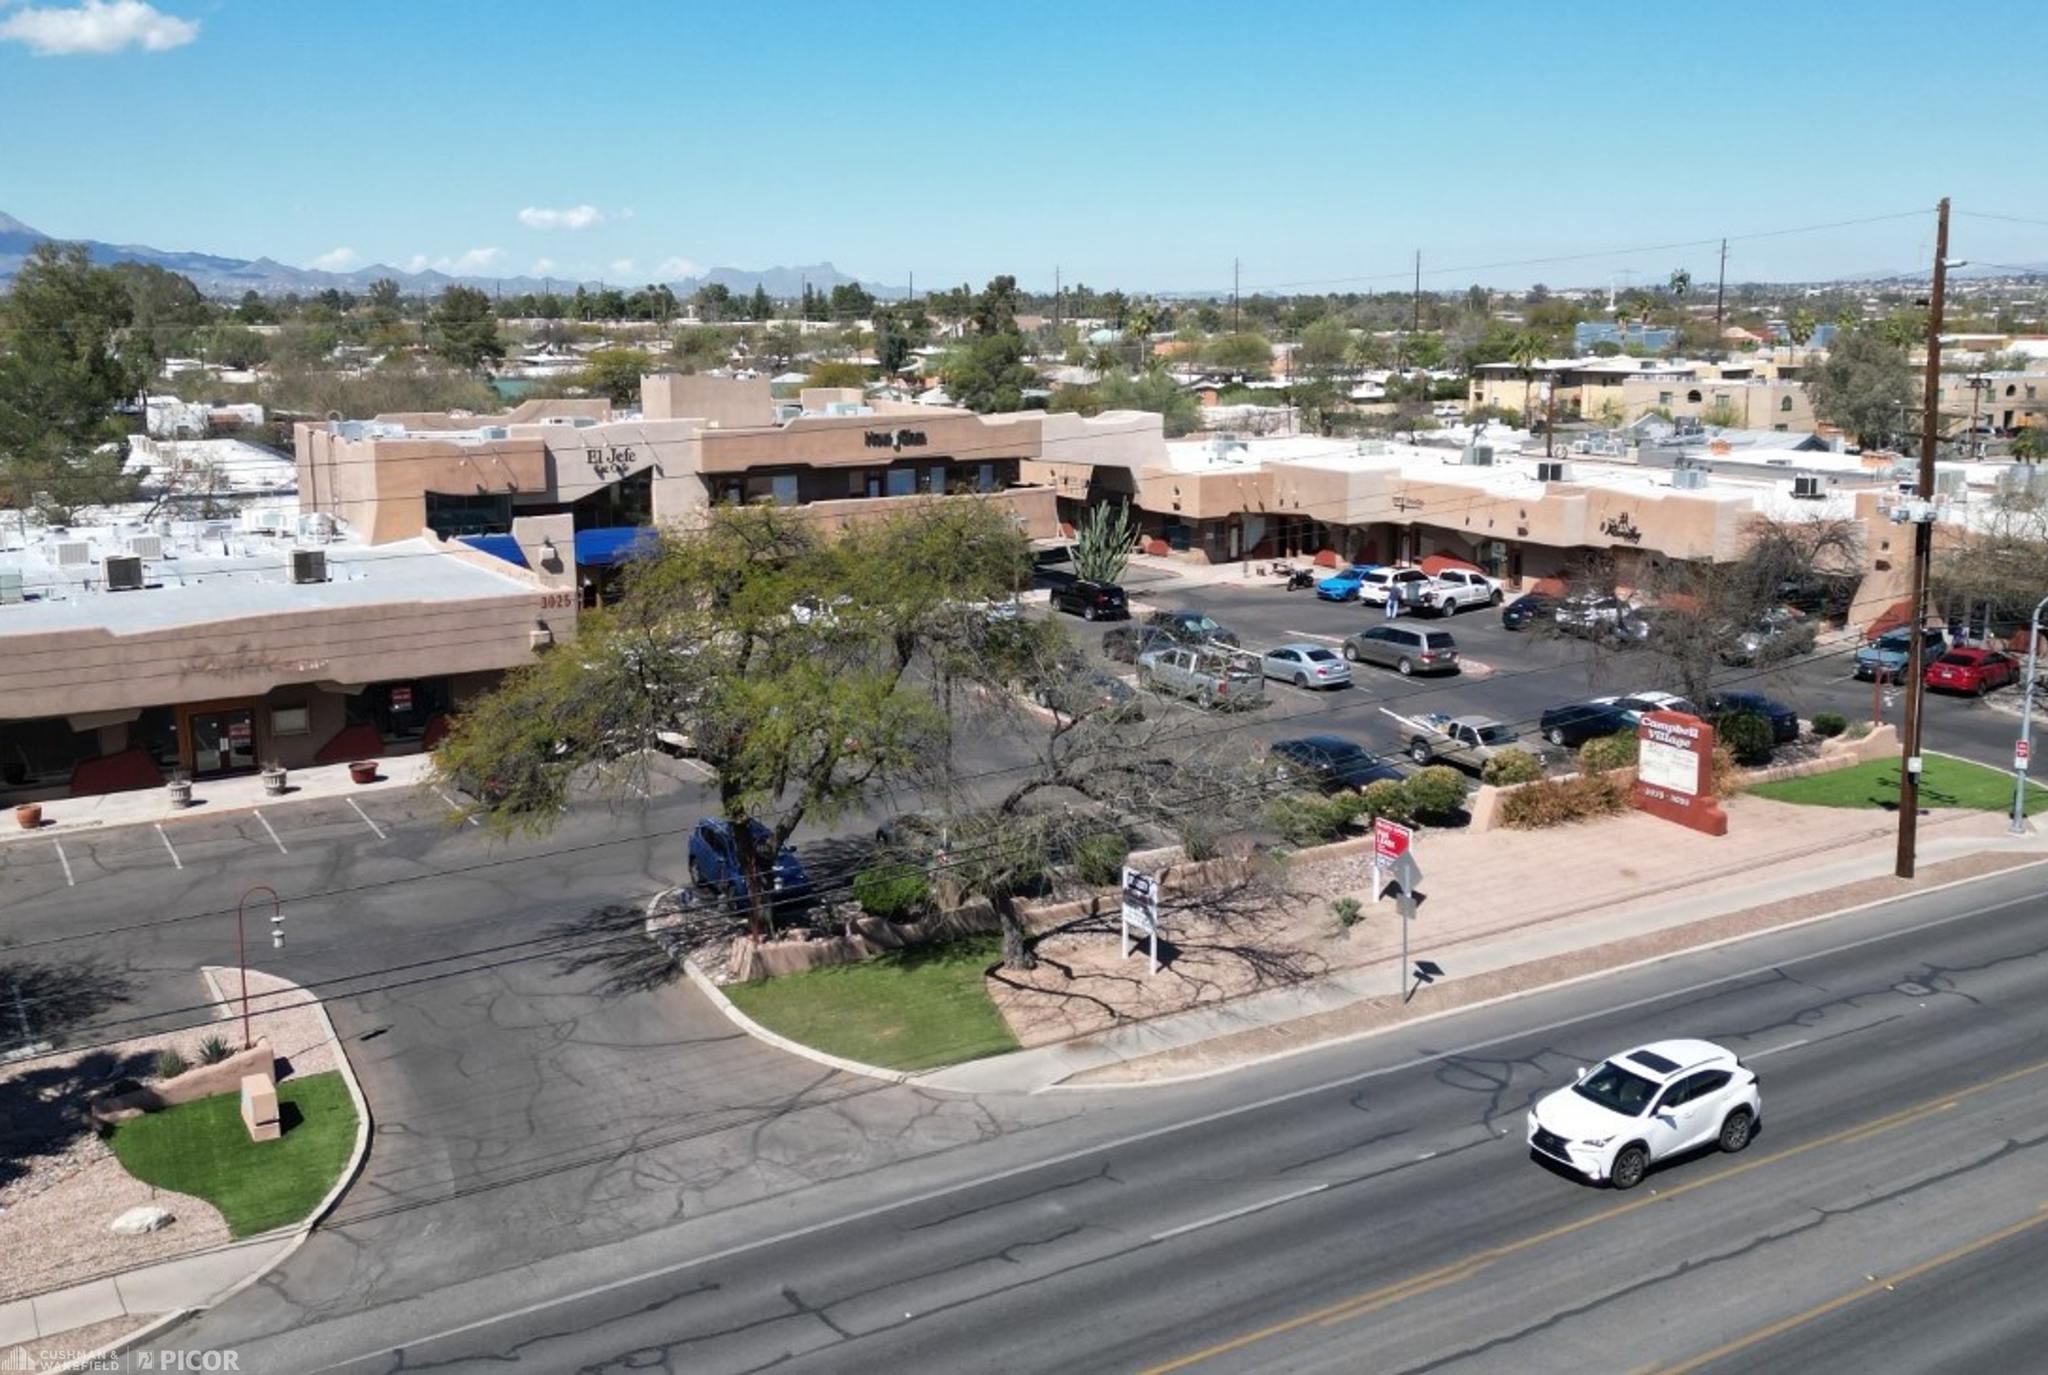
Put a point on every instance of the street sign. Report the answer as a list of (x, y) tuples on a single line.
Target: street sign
[(1407, 873), (1141, 912), (2020, 754), (1390, 841)]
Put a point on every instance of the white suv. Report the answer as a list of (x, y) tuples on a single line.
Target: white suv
[(1372, 588), (1647, 1105)]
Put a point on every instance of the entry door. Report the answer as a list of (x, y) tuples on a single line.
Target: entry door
[(223, 740)]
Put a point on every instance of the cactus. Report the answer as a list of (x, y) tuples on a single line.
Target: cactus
[(1102, 546)]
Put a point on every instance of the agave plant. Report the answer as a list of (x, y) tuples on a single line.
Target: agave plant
[(1103, 541)]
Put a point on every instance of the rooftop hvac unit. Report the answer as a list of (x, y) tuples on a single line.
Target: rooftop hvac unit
[(262, 520), (1951, 481), (1550, 471), (309, 565), (11, 586), (146, 546), (2023, 477), (494, 432), (74, 554), (124, 573), (1806, 488), (1689, 479), (1479, 455)]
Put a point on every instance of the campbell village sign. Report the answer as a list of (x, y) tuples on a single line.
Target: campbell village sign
[(1675, 771)]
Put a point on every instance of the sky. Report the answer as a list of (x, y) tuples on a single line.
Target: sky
[(1142, 145)]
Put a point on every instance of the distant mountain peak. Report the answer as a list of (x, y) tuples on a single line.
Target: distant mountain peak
[(10, 225)]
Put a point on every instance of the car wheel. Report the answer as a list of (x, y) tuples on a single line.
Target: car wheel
[(1419, 752), (1301, 680), (1555, 735), (1350, 654), (1497, 598), (1406, 667), (1629, 1167), (1087, 613), (1736, 1130), (696, 875)]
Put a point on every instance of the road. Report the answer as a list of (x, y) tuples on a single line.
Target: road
[(1373, 1206)]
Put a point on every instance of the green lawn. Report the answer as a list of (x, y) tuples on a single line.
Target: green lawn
[(203, 1149), (1944, 782), (907, 1010)]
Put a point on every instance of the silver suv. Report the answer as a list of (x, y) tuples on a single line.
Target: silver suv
[(1407, 648)]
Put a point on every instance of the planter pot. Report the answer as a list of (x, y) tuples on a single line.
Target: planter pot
[(29, 815), (363, 771), (273, 782), (181, 792)]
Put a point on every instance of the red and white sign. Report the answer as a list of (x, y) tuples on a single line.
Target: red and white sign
[(1390, 840), (2020, 753), (401, 699)]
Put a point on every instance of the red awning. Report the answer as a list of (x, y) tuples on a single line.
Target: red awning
[(1434, 564)]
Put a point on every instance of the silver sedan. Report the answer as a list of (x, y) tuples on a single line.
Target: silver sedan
[(1305, 665)]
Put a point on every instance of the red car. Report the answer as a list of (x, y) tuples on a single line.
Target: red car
[(1972, 670)]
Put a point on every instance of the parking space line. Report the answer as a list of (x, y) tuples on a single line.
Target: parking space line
[(273, 834), (455, 806), (165, 837), (65, 860), (366, 820)]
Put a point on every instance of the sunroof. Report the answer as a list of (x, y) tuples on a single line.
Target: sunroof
[(1650, 1060)]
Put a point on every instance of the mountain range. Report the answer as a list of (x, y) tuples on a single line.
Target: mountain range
[(227, 278)]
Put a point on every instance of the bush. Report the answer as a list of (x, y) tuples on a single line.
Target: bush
[(1829, 724), (1728, 778), (1435, 792), (213, 1050), (1748, 736), (1099, 860), (1858, 729), (1559, 802), (1608, 753), (170, 1064), (1511, 766), (892, 894), (1303, 820), (1347, 911), (1388, 798)]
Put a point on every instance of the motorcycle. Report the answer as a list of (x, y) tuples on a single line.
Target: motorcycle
[(1297, 578)]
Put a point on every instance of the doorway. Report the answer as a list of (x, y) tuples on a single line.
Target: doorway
[(221, 737)]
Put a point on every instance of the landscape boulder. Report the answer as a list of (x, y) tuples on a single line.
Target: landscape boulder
[(142, 1221)]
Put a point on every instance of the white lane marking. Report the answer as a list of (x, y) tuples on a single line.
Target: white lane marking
[(1789, 1045), (273, 834), (366, 821), (165, 837), (65, 860), (1312, 635), (1200, 1120), (1235, 1213), (455, 806)]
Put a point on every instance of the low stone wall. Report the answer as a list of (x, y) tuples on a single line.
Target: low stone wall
[(201, 1081)]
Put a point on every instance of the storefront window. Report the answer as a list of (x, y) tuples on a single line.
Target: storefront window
[(469, 514)]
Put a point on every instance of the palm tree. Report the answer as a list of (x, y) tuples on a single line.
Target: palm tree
[(1525, 351)]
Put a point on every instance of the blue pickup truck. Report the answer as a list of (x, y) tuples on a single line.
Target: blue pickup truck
[(715, 863)]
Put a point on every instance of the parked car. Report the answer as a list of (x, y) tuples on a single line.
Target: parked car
[(715, 862), (1890, 653), (1784, 721), (1458, 589), (1091, 601), (1593, 615), (1531, 608), (1333, 762), (1777, 636), (819, 611), (1972, 670), (1637, 705), (1644, 1106), (1575, 723), (1192, 627), (1343, 587), (1126, 642), (1372, 588), (1305, 665), (1407, 648), (1210, 675), (1094, 693), (1467, 740)]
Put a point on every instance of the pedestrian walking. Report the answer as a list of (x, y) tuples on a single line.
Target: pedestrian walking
[(1393, 600)]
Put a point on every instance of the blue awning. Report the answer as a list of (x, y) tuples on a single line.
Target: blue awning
[(595, 548), (497, 546)]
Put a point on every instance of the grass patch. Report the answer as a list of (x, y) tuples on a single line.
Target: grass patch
[(203, 1149), (907, 1010), (1944, 782)]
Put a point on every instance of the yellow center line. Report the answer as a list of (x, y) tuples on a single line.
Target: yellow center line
[(1464, 1268), (1875, 1286)]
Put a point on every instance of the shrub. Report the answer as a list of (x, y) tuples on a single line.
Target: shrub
[(1307, 820), (1435, 792), (892, 894), (1728, 777), (1748, 736), (1858, 729), (1099, 860), (1829, 724), (1511, 766), (1347, 911), (170, 1064), (213, 1050), (1608, 753), (1559, 802), (1388, 798)]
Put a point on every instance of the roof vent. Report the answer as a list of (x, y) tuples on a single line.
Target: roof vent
[(74, 554), (309, 565), (146, 546), (1806, 488), (1553, 472), (124, 573)]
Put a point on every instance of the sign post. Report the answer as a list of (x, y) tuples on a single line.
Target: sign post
[(1394, 866), (1141, 911)]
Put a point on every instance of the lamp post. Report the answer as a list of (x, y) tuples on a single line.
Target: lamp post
[(242, 945), (2024, 749)]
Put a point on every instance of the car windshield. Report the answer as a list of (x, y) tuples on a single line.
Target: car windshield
[(1318, 656), (1617, 1090), (1957, 656), (1497, 734), (1439, 639)]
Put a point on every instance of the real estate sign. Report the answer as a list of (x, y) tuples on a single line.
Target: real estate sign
[(1675, 771)]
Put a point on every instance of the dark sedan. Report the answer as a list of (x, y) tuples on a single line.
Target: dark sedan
[(1333, 762), (1784, 721), (1532, 607), (1127, 642), (1192, 627), (1090, 692), (1574, 724)]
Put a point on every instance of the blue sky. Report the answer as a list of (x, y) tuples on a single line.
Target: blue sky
[(1126, 144)]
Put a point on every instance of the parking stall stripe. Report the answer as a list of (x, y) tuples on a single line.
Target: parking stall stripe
[(273, 834), (164, 836), (65, 860), (454, 806), (366, 821)]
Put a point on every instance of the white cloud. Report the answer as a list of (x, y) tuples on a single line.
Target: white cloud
[(575, 217), (474, 261), (623, 267), (418, 262), (97, 27), (336, 260), (669, 269), (542, 267)]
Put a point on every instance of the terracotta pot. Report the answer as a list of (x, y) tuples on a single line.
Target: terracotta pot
[(363, 771), (29, 815)]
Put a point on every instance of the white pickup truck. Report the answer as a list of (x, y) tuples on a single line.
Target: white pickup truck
[(1466, 740), (1458, 589)]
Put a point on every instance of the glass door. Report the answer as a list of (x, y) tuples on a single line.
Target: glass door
[(223, 740)]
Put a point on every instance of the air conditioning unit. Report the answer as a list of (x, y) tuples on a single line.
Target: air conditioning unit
[(1806, 488), (1549, 471), (124, 573), (309, 565), (11, 586), (74, 554), (146, 546), (1479, 455), (1689, 479)]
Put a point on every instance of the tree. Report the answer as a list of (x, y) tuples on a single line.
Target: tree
[(1248, 355), (1151, 390), (1526, 350), (759, 307), (837, 373), (851, 301), (463, 328), (1102, 544), (995, 309), (1801, 327), (990, 374), (385, 295), (62, 376), (1863, 386), (616, 373), (713, 301), (165, 310), (797, 721)]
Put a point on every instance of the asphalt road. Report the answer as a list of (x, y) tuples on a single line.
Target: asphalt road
[(1373, 1206)]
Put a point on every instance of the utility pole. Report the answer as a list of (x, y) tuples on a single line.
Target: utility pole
[(1055, 305), (1720, 293), (1416, 326), (1923, 548), (1233, 295)]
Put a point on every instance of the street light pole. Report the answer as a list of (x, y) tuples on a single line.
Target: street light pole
[(2023, 752), (242, 947)]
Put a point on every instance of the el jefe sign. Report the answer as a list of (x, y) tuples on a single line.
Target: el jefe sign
[(1675, 771)]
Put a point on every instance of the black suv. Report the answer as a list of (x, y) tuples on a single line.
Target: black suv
[(1091, 601), (1193, 627)]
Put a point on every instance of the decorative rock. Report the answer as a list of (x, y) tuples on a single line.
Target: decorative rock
[(141, 1221)]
